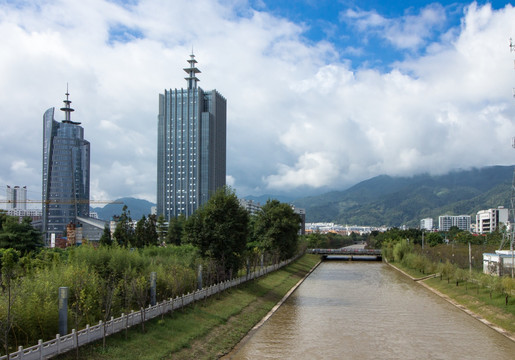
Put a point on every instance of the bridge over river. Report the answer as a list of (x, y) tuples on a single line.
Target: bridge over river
[(349, 251)]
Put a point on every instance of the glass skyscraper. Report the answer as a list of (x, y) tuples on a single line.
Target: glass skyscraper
[(191, 146), (66, 158)]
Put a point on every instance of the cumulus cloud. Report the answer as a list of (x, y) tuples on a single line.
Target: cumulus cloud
[(298, 115), (406, 32)]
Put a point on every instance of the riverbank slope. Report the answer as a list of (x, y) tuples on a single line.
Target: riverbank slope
[(208, 329), (469, 300)]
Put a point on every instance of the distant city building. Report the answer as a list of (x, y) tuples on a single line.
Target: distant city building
[(251, 206), (302, 213), (426, 224), (191, 146), (66, 156), (16, 197), (489, 220), (462, 222)]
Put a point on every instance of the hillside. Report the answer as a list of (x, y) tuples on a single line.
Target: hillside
[(395, 201), (137, 208)]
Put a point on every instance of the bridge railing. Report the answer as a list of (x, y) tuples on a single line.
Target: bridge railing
[(351, 251)]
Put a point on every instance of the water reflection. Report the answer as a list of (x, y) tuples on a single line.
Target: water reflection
[(366, 310)]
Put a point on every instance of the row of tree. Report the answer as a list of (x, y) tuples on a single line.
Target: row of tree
[(433, 238), (112, 278), (450, 265), (222, 230)]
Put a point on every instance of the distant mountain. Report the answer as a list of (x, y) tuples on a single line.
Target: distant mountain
[(395, 201), (137, 208)]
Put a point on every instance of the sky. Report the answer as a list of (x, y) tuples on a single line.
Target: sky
[(320, 94)]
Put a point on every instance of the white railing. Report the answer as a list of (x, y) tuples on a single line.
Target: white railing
[(61, 344)]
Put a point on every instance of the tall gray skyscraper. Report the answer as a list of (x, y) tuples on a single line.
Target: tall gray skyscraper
[(17, 197), (65, 172), (191, 146)]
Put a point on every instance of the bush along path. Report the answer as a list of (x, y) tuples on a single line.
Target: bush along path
[(206, 329)]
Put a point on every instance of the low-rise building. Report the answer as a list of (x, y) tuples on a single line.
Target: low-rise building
[(499, 263)]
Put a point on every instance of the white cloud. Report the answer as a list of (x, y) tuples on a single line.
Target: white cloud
[(406, 32), (298, 116)]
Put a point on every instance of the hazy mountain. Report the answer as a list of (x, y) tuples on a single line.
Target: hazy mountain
[(137, 208), (395, 201)]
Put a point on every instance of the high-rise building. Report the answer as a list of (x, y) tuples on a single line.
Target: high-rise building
[(16, 197), (66, 157), (191, 146)]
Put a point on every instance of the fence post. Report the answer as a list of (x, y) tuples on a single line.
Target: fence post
[(20, 352), (199, 277), (153, 277), (63, 310), (40, 347), (58, 342)]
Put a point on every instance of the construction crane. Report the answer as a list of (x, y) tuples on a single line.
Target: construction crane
[(61, 201)]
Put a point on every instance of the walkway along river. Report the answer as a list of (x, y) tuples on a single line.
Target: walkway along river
[(367, 310)]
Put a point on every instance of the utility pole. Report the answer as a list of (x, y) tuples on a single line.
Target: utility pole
[(512, 203)]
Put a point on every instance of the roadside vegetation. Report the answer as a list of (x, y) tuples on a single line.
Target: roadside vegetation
[(207, 329), (492, 297), (114, 277)]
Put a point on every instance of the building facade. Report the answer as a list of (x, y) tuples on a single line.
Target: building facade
[(191, 146), (426, 224), (66, 158), (462, 222), (16, 197), (489, 220)]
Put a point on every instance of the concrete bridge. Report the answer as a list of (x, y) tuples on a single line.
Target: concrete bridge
[(350, 251)]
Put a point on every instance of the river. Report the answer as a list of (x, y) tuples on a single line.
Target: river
[(367, 310)]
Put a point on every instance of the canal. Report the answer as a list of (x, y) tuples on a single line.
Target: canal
[(367, 310)]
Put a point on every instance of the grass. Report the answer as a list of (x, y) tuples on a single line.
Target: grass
[(207, 329)]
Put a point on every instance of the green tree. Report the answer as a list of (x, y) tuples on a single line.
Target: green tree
[(277, 228), (106, 239), (508, 285), (162, 229), (124, 232), (434, 239), (175, 230), (9, 261), (151, 235), (139, 233), (220, 230), (20, 236)]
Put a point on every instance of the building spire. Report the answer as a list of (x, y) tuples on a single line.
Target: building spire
[(67, 109), (192, 72)]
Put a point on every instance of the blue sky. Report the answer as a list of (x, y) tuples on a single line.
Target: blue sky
[(321, 94)]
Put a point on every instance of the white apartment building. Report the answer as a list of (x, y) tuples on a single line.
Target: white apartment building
[(489, 220), (426, 224), (462, 222)]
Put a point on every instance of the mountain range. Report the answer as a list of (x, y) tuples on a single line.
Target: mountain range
[(396, 201), (385, 200)]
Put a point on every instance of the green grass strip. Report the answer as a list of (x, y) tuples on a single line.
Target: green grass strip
[(206, 329)]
